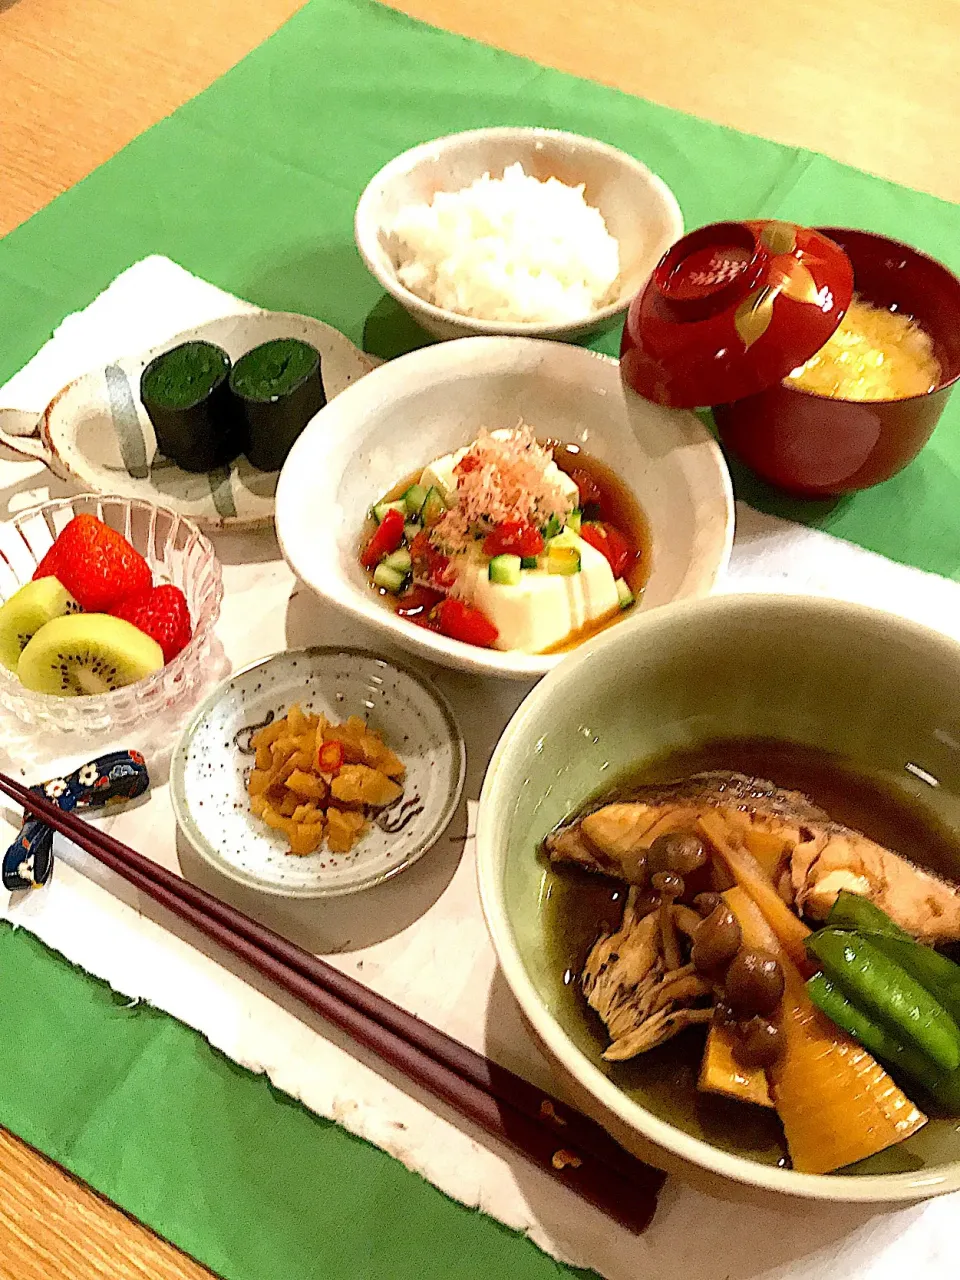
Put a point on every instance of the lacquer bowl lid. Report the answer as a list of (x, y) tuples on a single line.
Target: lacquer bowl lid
[(732, 309)]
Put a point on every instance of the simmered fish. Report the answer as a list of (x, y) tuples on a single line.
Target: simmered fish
[(810, 857)]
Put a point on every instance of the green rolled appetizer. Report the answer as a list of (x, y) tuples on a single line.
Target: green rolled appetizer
[(278, 387), (186, 394)]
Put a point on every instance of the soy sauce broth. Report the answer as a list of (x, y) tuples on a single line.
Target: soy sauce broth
[(617, 506), (577, 907)]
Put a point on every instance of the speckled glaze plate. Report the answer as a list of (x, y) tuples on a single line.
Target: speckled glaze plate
[(212, 758), (96, 432)]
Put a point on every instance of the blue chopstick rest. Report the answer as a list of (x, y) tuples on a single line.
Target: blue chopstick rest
[(110, 779)]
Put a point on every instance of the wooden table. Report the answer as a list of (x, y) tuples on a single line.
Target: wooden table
[(875, 85)]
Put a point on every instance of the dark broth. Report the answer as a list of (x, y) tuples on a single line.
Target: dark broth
[(617, 506), (578, 907)]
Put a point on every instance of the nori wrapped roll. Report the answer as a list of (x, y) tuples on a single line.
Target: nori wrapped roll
[(186, 394), (279, 388)]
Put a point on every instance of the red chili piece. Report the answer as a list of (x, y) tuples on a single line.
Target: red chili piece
[(513, 538), (387, 538), (461, 621), (610, 542), (330, 757)]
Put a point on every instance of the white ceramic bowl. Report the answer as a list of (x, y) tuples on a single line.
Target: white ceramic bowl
[(873, 688), (176, 551), (640, 211), (414, 409)]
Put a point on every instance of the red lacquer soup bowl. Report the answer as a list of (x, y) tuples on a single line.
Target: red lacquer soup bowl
[(817, 446)]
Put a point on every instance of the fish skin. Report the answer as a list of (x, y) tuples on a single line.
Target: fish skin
[(820, 856)]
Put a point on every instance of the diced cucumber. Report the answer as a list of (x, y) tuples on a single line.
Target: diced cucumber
[(552, 527), (529, 562), (411, 529), (574, 520), (562, 560), (414, 499), (381, 509), (389, 579), (505, 570), (565, 538), (399, 560), (624, 594), (433, 508)]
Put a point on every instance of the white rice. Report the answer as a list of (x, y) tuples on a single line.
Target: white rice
[(510, 248)]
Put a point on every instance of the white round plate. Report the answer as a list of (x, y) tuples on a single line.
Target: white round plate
[(207, 777), (96, 433)]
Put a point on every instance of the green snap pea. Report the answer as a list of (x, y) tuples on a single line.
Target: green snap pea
[(874, 1037), (940, 976), (888, 993), (943, 1086), (853, 911)]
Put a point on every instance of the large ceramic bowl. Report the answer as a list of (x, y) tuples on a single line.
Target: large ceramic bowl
[(640, 211), (883, 692), (412, 410)]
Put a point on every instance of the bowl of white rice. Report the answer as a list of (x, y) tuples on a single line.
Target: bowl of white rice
[(532, 232)]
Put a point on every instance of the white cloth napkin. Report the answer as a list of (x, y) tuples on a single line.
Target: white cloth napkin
[(144, 306), (393, 938)]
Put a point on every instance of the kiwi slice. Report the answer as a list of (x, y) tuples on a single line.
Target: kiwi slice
[(87, 653), (26, 612)]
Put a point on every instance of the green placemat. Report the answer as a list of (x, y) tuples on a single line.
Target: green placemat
[(252, 185)]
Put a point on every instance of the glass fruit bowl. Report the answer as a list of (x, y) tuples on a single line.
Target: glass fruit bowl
[(177, 553)]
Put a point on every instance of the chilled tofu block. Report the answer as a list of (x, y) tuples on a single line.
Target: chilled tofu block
[(543, 609), (440, 475)]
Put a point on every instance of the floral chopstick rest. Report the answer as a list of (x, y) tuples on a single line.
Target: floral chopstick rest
[(108, 780)]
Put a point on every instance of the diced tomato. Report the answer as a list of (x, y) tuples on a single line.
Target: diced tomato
[(429, 565), (330, 757), (416, 603), (461, 621), (469, 462), (589, 490), (388, 536), (513, 538), (421, 547), (610, 542)]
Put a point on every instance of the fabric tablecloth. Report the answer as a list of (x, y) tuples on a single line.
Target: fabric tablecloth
[(253, 185)]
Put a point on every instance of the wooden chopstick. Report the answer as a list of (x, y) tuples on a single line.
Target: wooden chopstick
[(559, 1140)]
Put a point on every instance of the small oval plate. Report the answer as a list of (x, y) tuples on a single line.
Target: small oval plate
[(211, 761), (96, 433)]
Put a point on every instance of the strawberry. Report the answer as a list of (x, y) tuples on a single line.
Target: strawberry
[(96, 564), (162, 614), (47, 568)]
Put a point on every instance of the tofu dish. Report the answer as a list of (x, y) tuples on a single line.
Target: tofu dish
[(497, 545)]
